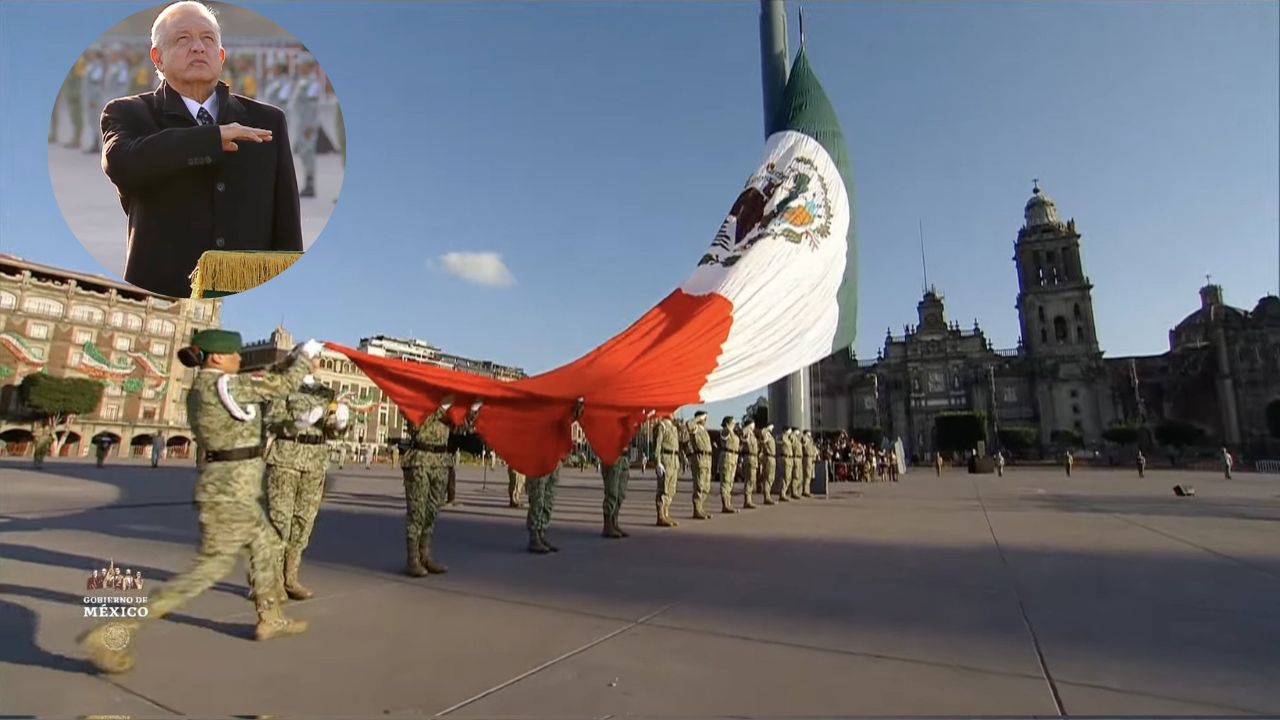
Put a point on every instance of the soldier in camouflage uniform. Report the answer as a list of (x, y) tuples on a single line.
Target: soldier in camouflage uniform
[(296, 463), (798, 486), (769, 455), (750, 464), (426, 477), (701, 441), (810, 461), (788, 465), (306, 105), (542, 498), (228, 428), (729, 449), (515, 487), (666, 444), (616, 477)]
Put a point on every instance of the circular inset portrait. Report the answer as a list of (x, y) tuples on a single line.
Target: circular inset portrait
[(196, 149)]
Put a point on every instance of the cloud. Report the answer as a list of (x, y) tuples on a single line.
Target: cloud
[(481, 268)]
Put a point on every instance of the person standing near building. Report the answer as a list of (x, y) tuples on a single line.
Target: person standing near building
[(157, 448), (999, 463), (666, 448), (700, 439), (750, 464), (225, 420), (1142, 464), (810, 449), (302, 424), (1227, 463), (101, 445), (93, 96), (426, 478), (1070, 461)]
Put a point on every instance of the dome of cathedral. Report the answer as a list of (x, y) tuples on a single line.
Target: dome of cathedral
[(1040, 209)]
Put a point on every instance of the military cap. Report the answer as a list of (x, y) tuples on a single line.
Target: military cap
[(700, 414), (217, 341), (727, 421), (749, 423)]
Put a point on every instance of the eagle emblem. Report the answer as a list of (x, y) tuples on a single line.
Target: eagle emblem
[(792, 204)]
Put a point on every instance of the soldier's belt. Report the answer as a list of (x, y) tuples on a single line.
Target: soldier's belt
[(247, 453), (430, 448), (304, 439)]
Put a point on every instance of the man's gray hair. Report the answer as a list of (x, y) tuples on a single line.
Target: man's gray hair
[(158, 27)]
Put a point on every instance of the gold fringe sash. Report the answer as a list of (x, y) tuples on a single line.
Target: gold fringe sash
[(226, 271)]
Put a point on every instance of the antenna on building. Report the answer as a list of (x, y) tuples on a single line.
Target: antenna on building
[(923, 266), (801, 12)]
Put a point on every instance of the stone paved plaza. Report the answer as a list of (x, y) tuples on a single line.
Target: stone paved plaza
[(1032, 594)]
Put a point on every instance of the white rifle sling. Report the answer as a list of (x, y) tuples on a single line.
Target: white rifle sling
[(228, 402)]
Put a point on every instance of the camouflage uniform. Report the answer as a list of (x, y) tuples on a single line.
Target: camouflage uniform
[(229, 430), (810, 451), (296, 465), (751, 464), (666, 445), (515, 487), (542, 497), (769, 453), (701, 468), (788, 465), (616, 477), (729, 448), (426, 476), (306, 104)]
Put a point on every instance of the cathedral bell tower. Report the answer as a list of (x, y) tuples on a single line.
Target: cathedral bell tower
[(1055, 311)]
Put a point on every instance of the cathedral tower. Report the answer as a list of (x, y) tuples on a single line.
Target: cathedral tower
[(1055, 311)]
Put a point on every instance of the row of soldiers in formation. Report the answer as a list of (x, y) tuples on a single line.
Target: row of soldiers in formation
[(102, 75)]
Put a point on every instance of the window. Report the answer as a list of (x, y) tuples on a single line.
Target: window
[(1080, 333), (117, 319), (1044, 335), (87, 315), (159, 349), (1075, 409), (38, 331), (111, 412), (42, 306), (1060, 329), (81, 337), (198, 312), (1040, 312), (1010, 395), (123, 342), (1076, 307), (8, 301), (160, 327), (1075, 393), (132, 322), (148, 413), (74, 357)]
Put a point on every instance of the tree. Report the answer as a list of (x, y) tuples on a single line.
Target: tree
[(1178, 434), (53, 400), (1018, 438), (1070, 438), (1273, 417), (960, 431), (757, 411), (1122, 434)]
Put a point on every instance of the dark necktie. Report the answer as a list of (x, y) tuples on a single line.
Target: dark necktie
[(203, 117)]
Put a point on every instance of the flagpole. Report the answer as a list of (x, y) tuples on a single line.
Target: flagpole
[(788, 397)]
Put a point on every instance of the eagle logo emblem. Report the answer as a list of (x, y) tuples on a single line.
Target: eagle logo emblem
[(791, 205)]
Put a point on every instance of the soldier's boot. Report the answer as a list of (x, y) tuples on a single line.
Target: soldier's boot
[(547, 542), (726, 505), (414, 566), (750, 502), (664, 517), (428, 562), (108, 646), (273, 624), (310, 189), (618, 528), (294, 589), (536, 544), (610, 528)]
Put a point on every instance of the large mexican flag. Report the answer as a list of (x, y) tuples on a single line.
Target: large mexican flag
[(774, 292)]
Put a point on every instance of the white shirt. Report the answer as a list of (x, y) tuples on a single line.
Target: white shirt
[(193, 107)]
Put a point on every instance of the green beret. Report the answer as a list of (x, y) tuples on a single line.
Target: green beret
[(217, 341)]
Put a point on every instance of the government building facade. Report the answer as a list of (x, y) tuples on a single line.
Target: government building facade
[(1220, 371), (71, 324)]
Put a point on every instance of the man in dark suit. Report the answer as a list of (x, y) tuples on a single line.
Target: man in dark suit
[(197, 167)]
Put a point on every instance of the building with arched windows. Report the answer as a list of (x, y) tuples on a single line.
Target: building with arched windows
[(71, 324)]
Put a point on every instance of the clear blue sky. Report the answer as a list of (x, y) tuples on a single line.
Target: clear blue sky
[(597, 146)]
